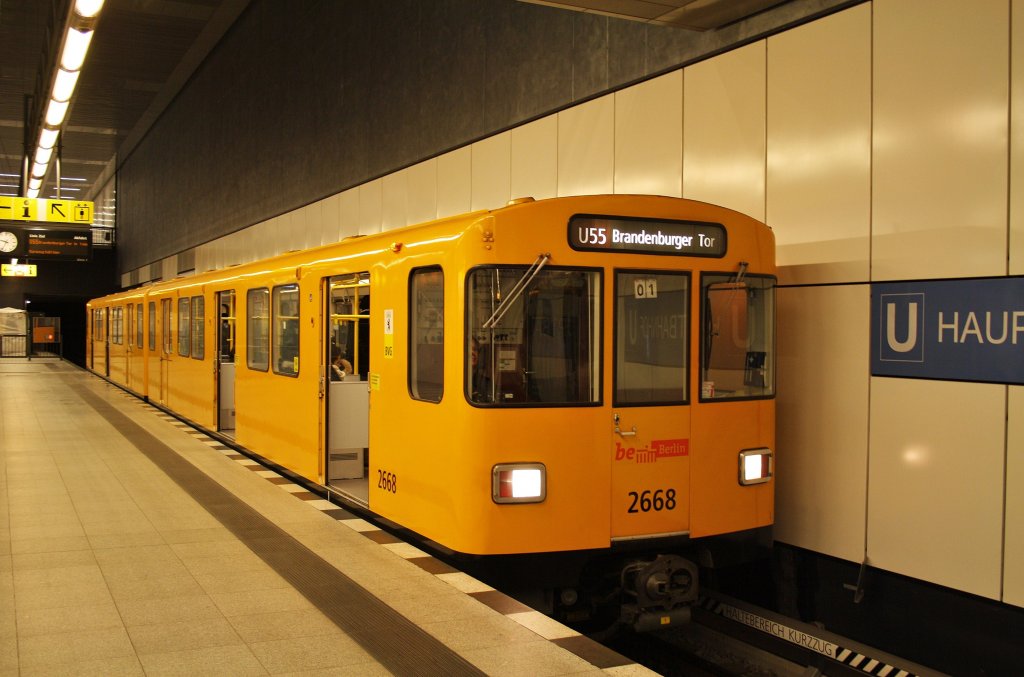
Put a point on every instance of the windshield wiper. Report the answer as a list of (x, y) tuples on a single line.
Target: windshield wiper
[(516, 291)]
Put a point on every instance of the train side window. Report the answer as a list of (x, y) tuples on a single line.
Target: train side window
[(139, 325), (198, 335), (257, 329), (152, 325), (426, 334), (114, 314), (285, 342), (651, 328), (738, 346), (183, 326)]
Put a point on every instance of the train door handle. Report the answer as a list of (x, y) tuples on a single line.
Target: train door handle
[(619, 431)]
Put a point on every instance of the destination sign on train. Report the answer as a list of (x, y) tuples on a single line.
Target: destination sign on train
[(47, 211), (679, 238)]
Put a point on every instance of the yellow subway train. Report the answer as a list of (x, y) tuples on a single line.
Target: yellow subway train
[(588, 377)]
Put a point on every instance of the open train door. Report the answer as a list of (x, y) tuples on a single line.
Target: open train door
[(650, 427), (226, 362), (345, 385)]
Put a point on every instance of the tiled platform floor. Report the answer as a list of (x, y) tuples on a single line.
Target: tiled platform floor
[(109, 565)]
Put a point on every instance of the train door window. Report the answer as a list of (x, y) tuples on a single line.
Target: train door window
[(426, 339), (152, 325), (183, 326), (140, 325), (257, 326), (97, 325), (129, 317), (738, 337), (651, 320), (166, 313), (534, 336), (198, 334), (350, 323), (285, 342), (226, 336)]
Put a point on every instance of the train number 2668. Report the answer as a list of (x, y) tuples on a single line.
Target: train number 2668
[(387, 481), (658, 500)]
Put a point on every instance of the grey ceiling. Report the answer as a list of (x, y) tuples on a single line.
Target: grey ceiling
[(145, 50)]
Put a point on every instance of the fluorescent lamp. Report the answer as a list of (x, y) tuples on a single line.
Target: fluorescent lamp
[(76, 44), (35, 184), (55, 112), (39, 170), (43, 155), (48, 138), (64, 84), (88, 8), (33, 192)]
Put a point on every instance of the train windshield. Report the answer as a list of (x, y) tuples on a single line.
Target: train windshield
[(738, 350), (534, 336)]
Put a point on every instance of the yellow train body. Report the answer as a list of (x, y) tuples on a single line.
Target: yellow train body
[(613, 469)]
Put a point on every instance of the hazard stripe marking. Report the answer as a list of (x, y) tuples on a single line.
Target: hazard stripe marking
[(819, 645)]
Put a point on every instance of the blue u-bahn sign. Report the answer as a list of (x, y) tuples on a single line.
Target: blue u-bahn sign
[(959, 330)]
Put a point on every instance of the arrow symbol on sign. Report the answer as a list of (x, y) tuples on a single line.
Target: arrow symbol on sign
[(55, 207)]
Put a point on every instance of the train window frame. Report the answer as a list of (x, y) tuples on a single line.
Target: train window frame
[(767, 359), (597, 344), (687, 348), (416, 383), (198, 336), (151, 325), (184, 326), (257, 357), (278, 318)]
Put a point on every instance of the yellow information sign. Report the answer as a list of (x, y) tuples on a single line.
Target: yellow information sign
[(18, 270), (46, 211)]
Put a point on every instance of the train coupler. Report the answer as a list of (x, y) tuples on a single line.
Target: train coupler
[(661, 592)]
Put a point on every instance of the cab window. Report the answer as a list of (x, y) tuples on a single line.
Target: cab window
[(650, 337), (534, 336), (738, 337)]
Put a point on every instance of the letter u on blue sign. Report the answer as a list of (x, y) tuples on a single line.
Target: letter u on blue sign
[(901, 328)]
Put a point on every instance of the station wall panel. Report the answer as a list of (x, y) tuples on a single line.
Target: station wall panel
[(1017, 140), (330, 212), (455, 182), (423, 191), (935, 482), (534, 150), (371, 207), (819, 149), (395, 200), (649, 137), (348, 220), (940, 134), (1013, 564), (821, 431), (491, 171), (724, 130), (586, 148)]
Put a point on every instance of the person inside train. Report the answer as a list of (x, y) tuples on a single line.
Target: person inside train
[(340, 367)]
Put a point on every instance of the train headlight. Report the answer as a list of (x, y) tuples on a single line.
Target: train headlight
[(519, 483), (755, 466)]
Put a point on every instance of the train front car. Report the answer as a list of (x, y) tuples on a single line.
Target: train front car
[(616, 410)]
